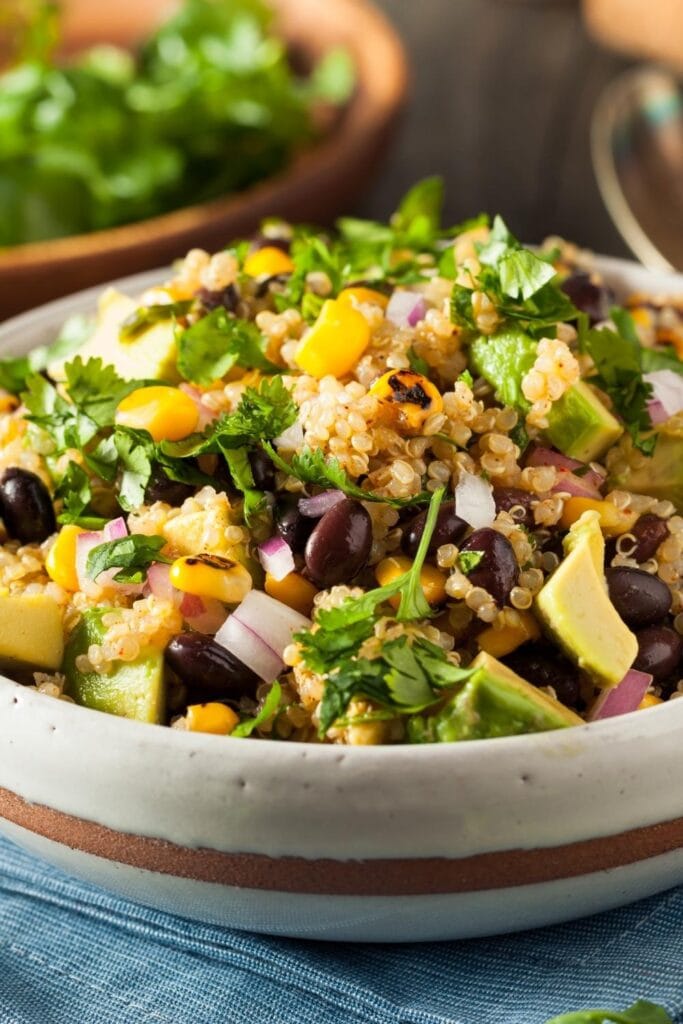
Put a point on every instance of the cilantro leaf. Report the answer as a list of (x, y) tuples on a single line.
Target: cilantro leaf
[(418, 216), (132, 555), (243, 479), (417, 363), (210, 348), (523, 274), (15, 370), (268, 709), (660, 359), (312, 466), (76, 492), (134, 449), (144, 317), (64, 422), (642, 1012), (96, 389), (617, 356)]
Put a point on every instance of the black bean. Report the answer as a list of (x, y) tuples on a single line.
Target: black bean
[(497, 571), (26, 506), (510, 497), (449, 529), (660, 650), (226, 297), (544, 666), (262, 470), (292, 526), (161, 488), (650, 531), (640, 598), (205, 666), (593, 299), (340, 544)]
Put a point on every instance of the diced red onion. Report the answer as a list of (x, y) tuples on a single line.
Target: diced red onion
[(405, 309), (578, 486), (319, 504), (115, 529), (656, 412), (540, 456), (85, 542), (622, 698), (276, 557), (474, 500), (291, 439), (250, 648), (667, 390), (159, 583), (205, 614), (206, 415)]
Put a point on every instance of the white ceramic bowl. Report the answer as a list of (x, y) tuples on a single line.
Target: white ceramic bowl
[(330, 842)]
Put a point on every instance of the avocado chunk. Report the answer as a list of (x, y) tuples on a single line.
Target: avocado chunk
[(133, 689), (580, 425), (576, 611), (660, 474), (31, 630), (152, 354), (495, 701)]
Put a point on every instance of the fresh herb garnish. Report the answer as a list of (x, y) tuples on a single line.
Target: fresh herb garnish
[(15, 370), (132, 556), (417, 363), (268, 709), (469, 560), (144, 317), (617, 356), (76, 492), (213, 345), (312, 466), (642, 1012)]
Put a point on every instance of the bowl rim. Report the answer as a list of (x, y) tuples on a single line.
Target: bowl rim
[(368, 106), (53, 313)]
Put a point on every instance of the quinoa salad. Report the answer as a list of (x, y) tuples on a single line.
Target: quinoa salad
[(394, 483)]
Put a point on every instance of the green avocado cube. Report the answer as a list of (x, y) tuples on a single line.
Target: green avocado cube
[(133, 689), (494, 701), (660, 474)]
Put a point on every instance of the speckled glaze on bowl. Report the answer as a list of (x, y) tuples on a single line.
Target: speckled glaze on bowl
[(329, 842)]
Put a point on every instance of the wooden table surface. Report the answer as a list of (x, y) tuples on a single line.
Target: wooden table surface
[(501, 101)]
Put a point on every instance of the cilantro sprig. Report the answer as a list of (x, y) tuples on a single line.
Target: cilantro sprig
[(267, 710), (209, 348), (312, 466), (132, 556)]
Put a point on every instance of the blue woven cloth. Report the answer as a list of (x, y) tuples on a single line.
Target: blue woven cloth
[(70, 954)]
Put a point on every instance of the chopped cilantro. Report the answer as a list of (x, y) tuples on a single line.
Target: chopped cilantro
[(466, 378), (312, 466), (469, 560), (617, 356), (213, 345), (268, 709), (417, 363), (76, 492), (132, 556)]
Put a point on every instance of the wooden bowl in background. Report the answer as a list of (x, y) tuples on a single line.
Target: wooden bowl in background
[(315, 187)]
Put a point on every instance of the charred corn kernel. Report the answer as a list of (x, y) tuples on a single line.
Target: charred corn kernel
[(649, 701), (432, 579), (213, 717), (166, 413), (61, 558), (211, 576), (409, 396), (268, 262), (613, 520), (335, 342), (361, 294), (8, 403), (294, 590), (499, 642)]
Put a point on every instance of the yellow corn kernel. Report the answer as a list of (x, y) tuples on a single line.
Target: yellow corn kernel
[(294, 590), (613, 521), (166, 413), (268, 262), (211, 576), (499, 642), (409, 397), (335, 342), (8, 403), (432, 579), (213, 717), (367, 296), (649, 701), (61, 558)]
